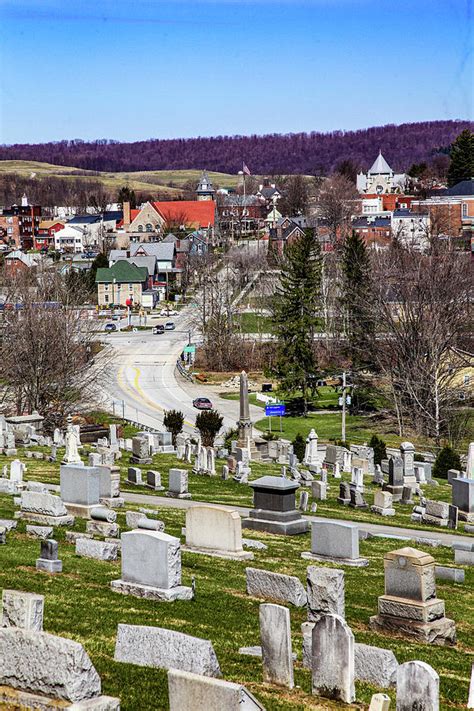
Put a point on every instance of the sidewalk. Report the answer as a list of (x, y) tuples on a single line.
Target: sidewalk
[(445, 539)]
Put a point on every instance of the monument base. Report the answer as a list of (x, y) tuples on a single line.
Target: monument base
[(228, 555), (352, 562), (18, 700), (441, 632), (172, 495), (44, 519), (382, 512), (283, 528), (396, 491), (112, 502), (154, 488), (80, 510), (464, 516), (180, 592), (49, 566), (138, 460)]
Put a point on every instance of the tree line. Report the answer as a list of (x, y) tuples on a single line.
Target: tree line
[(308, 153)]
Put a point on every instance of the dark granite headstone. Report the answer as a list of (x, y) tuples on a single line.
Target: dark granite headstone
[(49, 550), (344, 493), (275, 507)]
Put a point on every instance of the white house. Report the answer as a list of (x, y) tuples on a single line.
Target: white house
[(411, 228), (69, 239)]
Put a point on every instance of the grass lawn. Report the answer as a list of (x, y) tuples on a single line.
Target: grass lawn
[(80, 605), (254, 323)]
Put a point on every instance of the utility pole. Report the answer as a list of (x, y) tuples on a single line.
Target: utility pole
[(343, 431)]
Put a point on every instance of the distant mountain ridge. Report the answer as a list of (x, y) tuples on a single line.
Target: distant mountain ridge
[(272, 154)]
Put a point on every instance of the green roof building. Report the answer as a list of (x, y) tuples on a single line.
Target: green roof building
[(122, 284)]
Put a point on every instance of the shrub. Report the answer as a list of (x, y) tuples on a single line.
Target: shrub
[(208, 422), (299, 446), (446, 459), (230, 436), (380, 450), (173, 421)]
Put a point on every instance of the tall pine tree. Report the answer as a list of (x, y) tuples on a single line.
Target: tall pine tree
[(355, 297), (294, 310), (462, 158)]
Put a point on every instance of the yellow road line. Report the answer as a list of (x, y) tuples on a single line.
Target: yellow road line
[(138, 389)]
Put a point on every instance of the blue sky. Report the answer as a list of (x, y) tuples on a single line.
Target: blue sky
[(142, 69)]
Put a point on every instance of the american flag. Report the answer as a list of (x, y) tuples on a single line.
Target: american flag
[(245, 169)]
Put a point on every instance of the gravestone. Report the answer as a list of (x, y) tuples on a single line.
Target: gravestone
[(409, 606), (195, 692), (153, 480), (215, 531), (470, 700), (42, 532), (178, 484), (165, 649), (275, 638), (274, 507), (375, 665), (357, 500), (275, 586), (325, 592), (395, 478), (17, 469), (22, 609), (333, 659), (44, 508), (319, 490), (134, 476), (344, 497), (463, 498), (383, 504), (41, 671), (311, 456), (98, 550), (335, 542), (225, 472), (304, 500), (365, 452), (417, 687), (151, 567), (48, 560), (379, 702), (407, 451), (378, 475), (80, 489), (140, 450)]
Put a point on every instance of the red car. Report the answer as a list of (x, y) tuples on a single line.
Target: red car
[(202, 403)]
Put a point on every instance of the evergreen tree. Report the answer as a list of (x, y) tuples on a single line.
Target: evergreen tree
[(447, 459), (127, 195), (299, 446), (379, 447), (462, 158), (173, 421), (294, 309), (355, 299), (208, 422)]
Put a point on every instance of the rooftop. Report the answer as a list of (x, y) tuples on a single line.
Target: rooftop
[(122, 272)]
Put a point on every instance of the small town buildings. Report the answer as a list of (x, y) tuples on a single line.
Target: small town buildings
[(451, 212), (153, 220), (283, 233), (27, 223), (71, 238), (381, 179), (411, 229), (121, 284), (374, 230), (47, 229), (10, 231), (240, 214), (17, 262)]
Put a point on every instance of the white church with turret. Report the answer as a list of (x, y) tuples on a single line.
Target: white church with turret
[(381, 179)]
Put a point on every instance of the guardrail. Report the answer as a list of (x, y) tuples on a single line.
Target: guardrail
[(182, 370)]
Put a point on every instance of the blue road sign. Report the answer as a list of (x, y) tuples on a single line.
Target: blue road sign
[(274, 410)]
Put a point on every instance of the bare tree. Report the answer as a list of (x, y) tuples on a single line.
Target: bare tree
[(48, 350), (420, 305), (336, 202)]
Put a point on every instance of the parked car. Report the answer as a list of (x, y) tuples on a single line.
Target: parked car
[(169, 326), (202, 403), (159, 329), (110, 327)]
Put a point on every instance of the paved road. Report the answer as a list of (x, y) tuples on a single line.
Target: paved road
[(446, 539), (144, 381)]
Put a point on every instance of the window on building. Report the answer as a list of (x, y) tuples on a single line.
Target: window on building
[(464, 209), (467, 379), (106, 287), (148, 227), (130, 287), (140, 228), (106, 298)]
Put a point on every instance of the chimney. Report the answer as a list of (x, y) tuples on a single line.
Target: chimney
[(126, 214)]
